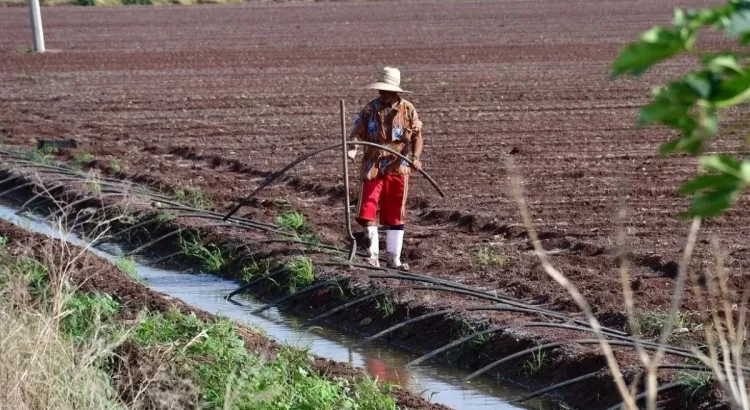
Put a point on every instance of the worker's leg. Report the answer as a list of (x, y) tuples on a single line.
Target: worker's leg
[(367, 212), (393, 214)]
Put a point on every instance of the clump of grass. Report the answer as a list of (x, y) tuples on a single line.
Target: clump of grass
[(387, 306), (41, 156), (254, 270), (468, 329), (301, 274), (294, 221), (230, 377), (536, 364), (194, 197), (694, 381), (84, 314), (488, 256), (114, 166), (164, 217), (3, 241), (210, 254), (651, 323), (83, 159), (127, 265)]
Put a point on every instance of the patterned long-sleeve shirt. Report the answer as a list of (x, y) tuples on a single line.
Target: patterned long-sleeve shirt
[(394, 128)]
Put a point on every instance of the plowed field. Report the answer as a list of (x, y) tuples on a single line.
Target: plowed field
[(217, 97)]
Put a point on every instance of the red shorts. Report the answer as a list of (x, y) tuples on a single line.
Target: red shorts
[(388, 193)]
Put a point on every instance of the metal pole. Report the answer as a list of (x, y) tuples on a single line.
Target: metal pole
[(347, 209), (36, 25)]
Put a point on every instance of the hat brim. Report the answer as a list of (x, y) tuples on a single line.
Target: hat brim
[(386, 87)]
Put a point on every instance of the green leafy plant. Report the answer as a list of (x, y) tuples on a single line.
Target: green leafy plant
[(164, 217), (468, 329), (694, 381), (83, 159), (41, 157), (84, 312), (3, 241), (127, 265), (488, 256), (691, 105), (210, 254), (537, 362), (294, 221), (114, 166), (651, 323), (254, 270), (194, 197), (387, 306), (301, 274)]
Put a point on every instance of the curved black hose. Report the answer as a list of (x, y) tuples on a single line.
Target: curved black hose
[(300, 292), (554, 387), (642, 395), (271, 178), (256, 280), (347, 305), (557, 344)]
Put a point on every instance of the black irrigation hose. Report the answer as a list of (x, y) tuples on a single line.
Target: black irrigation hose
[(243, 224), (403, 324), (10, 178), (484, 295), (585, 377), (304, 157), (642, 395), (458, 342), (254, 281), (210, 215), (347, 305), (16, 188), (557, 344), (44, 191), (153, 242), (554, 387), (299, 292), (73, 204)]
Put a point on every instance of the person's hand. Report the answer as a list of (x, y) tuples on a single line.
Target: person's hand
[(416, 164), (352, 153)]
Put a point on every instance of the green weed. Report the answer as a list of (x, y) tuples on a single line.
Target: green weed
[(651, 323), (301, 274), (230, 377), (488, 256), (42, 156), (254, 270), (164, 217), (84, 313), (114, 166), (387, 306), (294, 221), (83, 159), (127, 265), (468, 329), (3, 241), (210, 254), (694, 381), (194, 197), (537, 362)]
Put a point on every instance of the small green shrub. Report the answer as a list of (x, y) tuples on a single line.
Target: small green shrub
[(84, 312), (210, 254), (488, 256), (114, 166), (83, 159), (128, 266), (294, 221), (254, 270), (301, 274), (536, 364), (387, 306)]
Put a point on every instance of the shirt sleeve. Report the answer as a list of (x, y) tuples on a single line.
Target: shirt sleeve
[(415, 125), (359, 130)]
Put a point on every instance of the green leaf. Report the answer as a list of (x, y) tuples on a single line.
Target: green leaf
[(732, 90), (706, 182), (713, 202), (739, 25), (653, 46), (722, 163), (723, 63), (692, 145)]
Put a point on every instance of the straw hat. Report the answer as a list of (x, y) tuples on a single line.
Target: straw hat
[(390, 80)]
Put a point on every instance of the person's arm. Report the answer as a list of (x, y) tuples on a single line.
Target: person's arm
[(358, 132), (417, 142)]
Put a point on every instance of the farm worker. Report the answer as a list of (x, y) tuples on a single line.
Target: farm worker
[(391, 121)]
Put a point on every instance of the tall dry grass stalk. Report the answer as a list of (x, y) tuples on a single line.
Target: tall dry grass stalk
[(725, 360)]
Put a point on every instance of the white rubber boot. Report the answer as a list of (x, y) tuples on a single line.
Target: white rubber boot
[(394, 245), (373, 252)]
